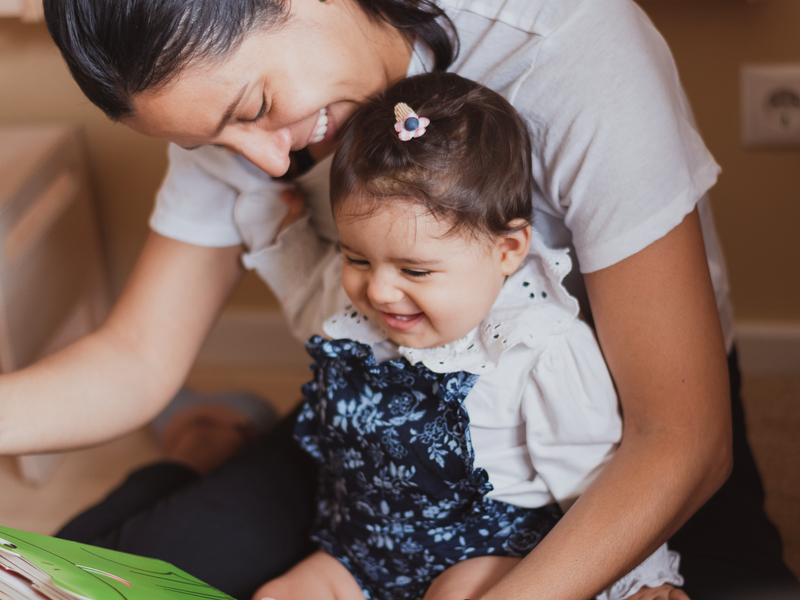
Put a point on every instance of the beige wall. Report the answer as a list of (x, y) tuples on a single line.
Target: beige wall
[(126, 168), (757, 201)]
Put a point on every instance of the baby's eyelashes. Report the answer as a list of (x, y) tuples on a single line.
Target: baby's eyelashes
[(416, 273), (355, 262)]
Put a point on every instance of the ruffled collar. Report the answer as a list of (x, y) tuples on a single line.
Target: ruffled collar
[(532, 306)]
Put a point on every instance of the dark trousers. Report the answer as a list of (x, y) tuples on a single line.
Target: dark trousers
[(729, 548), (247, 522), (235, 528)]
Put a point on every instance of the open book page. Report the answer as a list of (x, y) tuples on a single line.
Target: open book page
[(38, 567)]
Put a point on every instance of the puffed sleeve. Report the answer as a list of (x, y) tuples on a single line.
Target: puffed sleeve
[(661, 567), (305, 273), (571, 414)]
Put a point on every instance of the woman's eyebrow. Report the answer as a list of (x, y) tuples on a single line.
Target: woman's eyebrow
[(234, 105), (231, 110)]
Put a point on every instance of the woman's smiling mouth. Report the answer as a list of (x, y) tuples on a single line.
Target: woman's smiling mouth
[(321, 127)]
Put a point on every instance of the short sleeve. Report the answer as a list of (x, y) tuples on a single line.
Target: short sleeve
[(194, 206), (617, 155), (572, 420)]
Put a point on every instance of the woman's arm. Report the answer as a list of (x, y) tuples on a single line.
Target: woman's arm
[(658, 325), (120, 376)]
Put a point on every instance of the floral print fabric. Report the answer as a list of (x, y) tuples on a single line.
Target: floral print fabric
[(399, 497)]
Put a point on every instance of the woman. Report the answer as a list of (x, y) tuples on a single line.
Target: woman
[(620, 170)]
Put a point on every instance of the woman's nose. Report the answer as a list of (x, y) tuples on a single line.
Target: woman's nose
[(269, 150)]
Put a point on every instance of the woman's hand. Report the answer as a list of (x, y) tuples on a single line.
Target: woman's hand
[(296, 204), (658, 325)]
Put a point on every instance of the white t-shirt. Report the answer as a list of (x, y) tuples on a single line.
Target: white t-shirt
[(617, 159)]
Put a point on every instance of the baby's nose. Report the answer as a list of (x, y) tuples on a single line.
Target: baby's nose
[(382, 292)]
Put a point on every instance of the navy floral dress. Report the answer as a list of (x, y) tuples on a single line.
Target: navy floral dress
[(399, 497)]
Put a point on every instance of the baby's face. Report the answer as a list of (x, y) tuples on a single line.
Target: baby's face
[(423, 287)]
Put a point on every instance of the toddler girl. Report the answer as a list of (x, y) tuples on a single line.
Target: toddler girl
[(459, 406)]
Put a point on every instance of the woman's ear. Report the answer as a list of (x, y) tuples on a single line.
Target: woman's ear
[(514, 246)]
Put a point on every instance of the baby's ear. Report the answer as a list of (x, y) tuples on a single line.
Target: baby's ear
[(514, 246)]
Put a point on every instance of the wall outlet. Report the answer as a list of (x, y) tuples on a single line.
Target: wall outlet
[(770, 97)]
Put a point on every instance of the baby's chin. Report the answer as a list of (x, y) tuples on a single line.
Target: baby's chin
[(433, 341)]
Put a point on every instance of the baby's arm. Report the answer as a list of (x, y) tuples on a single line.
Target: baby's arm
[(471, 578), (318, 577), (303, 270)]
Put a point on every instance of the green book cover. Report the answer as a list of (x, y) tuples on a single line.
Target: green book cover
[(39, 567)]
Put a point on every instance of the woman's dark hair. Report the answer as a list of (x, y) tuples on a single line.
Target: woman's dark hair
[(471, 167), (116, 49)]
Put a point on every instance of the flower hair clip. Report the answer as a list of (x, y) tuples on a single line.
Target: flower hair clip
[(409, 124)]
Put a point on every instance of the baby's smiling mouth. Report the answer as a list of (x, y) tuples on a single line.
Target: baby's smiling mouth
[(402, 322)]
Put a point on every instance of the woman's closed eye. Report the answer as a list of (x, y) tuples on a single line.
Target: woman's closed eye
[(261, 111)]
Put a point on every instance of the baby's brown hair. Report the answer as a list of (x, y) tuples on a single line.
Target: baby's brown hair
[(472, 166)]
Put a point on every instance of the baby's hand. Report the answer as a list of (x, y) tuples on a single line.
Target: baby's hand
[(662, 592), (297, 206)]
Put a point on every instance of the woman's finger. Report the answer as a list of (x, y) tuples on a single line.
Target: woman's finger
[(296, 204), (294, 200)]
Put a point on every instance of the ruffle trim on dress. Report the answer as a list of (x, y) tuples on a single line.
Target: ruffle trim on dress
[(663, 566), (532, 306), (360, 357)]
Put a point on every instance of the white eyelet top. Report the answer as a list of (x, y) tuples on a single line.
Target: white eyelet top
[(532, 307)]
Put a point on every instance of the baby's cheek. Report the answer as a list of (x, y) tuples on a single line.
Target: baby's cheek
[(352, 286)]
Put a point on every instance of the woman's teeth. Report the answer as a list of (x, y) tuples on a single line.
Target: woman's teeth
[(321, 127)]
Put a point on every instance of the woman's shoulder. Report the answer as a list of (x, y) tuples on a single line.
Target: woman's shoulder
[(533, 16)]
